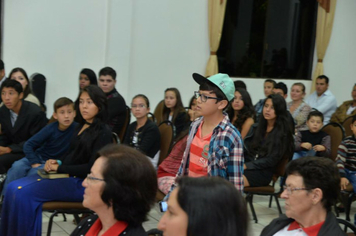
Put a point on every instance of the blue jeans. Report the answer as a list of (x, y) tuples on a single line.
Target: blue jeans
[(20, 169), (310, 153), (351, 176)]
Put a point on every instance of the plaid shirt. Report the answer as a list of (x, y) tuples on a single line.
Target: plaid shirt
[(226, 157)]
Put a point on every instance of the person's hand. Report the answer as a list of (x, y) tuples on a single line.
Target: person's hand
[(319, 148), (343, 183), (51, 165), (306, 145), (35, 165), (245, 167), (4, 150)]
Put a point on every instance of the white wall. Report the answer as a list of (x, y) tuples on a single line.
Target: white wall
[(151, 44)]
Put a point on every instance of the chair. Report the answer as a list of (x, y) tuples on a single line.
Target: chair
[(152, 117), (346, 124), (74, 208), (158, 112), (268, 190), (126, 124), (166, 130), (337, 134), (347, 197), (115, 138), (345, 224)]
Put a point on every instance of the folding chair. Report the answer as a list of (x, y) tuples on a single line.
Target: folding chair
[(346, 124), (347, 225), (337, 134), (158, 112), (166, 130)]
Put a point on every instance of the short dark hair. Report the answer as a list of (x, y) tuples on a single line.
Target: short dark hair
[(316, 113), (144, 97), (2, 65), (10, 83), (27, 90), (208, 86), (130, 183), (282, 86), (318, 173), (240, 84), (323, 77), (217, 196), (61, 102), (90, 74), (108, 71), (271, 81)]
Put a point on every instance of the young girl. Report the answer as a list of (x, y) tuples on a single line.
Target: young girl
[(241, 111), (192, 109), (22, 208), (143, 134), (174, 110), (86, 78), (267, 142), (20, 75)]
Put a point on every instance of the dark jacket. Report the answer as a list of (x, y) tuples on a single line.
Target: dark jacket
[(30, 120), (329, 228), (85, 225), (117, 111)]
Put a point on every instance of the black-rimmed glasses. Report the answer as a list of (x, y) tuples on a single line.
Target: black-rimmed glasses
[(203, 97)]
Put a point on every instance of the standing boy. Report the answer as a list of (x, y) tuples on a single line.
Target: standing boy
[(214, 146), (312, 142), (346, 158), (51, 142)]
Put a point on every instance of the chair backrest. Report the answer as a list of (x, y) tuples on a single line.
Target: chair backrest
[(152, 117), (115, 138), (126, 124), (346, 124), (347, 225), (38, 85), (166, 131), (158, 112), (337, 134)]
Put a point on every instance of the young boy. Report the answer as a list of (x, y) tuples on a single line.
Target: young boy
[(312, 142), (346, 158), (214, 146), (51, 142)]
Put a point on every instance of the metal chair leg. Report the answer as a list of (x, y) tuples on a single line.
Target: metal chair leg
[(249, 199), (278, 205), (50, 222)]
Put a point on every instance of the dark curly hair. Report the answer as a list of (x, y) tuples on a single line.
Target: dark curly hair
[(246, 112), (130, 183)]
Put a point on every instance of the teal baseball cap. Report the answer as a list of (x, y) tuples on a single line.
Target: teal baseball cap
[(222, 81)]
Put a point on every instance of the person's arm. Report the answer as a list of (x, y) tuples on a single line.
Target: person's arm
[(82, 170), (337, 115), (329, 103), (326, 143), (38, 122), (235, 163), (341, 158), (298, 142), (246, 127), (181, 122), (150, 136)]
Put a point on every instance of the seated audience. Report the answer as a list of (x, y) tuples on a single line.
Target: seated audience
[(267, 142), (168, 169), (208, 206), (297, 107), (346, 109), (143, 134), (312, 142), (116, 103), (174, 111), (346, 158), (241, 111), (49, 143), (22, 208), (120, 189), (86, 78), (19, 121), (281, 89), (312, 188), (20, 75), (322, 99), (268, 86)]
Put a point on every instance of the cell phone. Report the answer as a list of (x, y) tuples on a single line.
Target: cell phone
[(163, 206)]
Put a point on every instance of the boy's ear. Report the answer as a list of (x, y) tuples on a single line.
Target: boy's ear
[(21, 95), (222, 104), (55, 115)]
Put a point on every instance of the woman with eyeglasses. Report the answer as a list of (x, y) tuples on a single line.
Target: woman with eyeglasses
[(241, 111), (121, 189), (143, 134), (22, 208)]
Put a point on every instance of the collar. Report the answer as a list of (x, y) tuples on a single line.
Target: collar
[(310, 231), (326, 93), (111, 92)]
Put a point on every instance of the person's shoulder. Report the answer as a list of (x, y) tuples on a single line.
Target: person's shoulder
[(134, 231)]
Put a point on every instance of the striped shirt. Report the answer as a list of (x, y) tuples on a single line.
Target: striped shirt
[(226, 157), (346, 155)]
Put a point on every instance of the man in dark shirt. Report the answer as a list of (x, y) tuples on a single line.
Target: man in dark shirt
[(19, 121), (116, 103)]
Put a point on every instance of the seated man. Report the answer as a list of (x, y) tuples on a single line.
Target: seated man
[(346, 109), (19, 121), (322, 99), (346, 158), (116, 103), (312, 188)]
